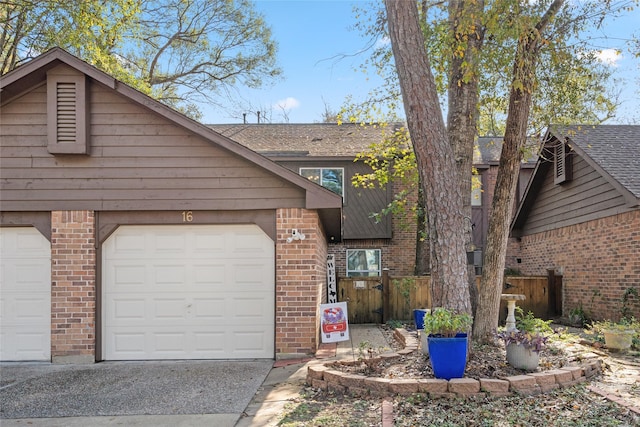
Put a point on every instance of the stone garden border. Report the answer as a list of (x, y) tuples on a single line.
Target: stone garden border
[(323, 377)]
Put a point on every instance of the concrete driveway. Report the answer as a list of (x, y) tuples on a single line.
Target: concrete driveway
[(164, 392)]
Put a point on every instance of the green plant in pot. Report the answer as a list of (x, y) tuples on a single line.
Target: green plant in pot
[(525, 343), (618, 336), (447, 339)]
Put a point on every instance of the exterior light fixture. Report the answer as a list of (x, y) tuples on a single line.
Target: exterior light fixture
[(296, 235)]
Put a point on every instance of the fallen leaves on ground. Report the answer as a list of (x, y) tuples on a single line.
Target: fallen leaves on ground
[(573, 406)]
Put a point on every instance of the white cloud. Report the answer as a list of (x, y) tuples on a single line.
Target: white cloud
[(609, 56), (287, 104), (382, 42)]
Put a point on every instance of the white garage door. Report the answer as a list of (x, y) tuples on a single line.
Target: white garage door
[(25, 295), (188, 292)]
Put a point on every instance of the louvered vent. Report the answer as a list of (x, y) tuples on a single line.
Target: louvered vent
[(67, 112), (66, 128), (562, 163)]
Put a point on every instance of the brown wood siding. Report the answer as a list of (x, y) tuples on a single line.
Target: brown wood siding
[(359, 203), (587, 196), (138, 160)]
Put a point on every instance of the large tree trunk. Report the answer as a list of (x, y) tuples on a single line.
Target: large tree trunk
[(422, 239), (523, 84), (462, 113), (434, 156)]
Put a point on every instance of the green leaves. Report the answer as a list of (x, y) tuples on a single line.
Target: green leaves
[(179, 52), (446, 322)]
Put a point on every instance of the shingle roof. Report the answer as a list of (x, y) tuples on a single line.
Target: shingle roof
[(314, 140), (488, 149), (332, 140), (615, 148)]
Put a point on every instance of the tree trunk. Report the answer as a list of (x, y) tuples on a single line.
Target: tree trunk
[(515, 137), (434, 157), (422, 239), (463, 98)]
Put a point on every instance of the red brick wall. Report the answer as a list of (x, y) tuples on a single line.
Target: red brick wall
[(402, 251), (598, 260), (301, 273), (73, 281), (388, 253)]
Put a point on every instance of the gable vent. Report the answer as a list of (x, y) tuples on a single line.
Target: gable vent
[(562, 163), (67, 113), (66, 123)]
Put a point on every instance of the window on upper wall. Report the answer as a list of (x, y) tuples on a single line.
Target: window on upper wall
[(330, 178), (363, 262), (476, 188)]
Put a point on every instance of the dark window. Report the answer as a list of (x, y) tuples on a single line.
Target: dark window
[(330, 178)]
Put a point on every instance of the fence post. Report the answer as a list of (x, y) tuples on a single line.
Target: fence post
[(385, 295)]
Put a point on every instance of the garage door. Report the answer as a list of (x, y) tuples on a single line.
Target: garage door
[(188, 292), (25, 295)]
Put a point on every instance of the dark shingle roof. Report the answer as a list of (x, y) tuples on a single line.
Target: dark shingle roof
[(615, 148), (333, 140), (314, 140), (488, 149)]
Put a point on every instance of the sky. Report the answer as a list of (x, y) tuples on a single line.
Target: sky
[(318, 53)]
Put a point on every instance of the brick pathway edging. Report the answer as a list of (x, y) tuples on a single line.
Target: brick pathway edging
[(327, 379), (613, 398)]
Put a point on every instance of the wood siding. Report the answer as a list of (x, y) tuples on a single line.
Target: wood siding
[(586, 197), (138, 160), (359, 203)]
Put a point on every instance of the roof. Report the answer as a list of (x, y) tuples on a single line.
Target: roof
[(306, 140), (488, 149), (612, 149), (34, 72), (336, 140)]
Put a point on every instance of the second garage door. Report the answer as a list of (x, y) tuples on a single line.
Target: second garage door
[(188, 292), (25, 295)]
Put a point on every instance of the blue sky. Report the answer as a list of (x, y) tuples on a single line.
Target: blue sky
[(313, 34)]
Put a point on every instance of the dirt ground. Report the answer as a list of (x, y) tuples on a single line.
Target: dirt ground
[(607, 400)]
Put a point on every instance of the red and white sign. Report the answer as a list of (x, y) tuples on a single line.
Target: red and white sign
[(334, 322)]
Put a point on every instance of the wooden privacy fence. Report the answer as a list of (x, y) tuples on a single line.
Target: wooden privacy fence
[(381, 298)]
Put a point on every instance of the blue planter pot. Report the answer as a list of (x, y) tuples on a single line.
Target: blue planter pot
[(418, 317), (448, 356)]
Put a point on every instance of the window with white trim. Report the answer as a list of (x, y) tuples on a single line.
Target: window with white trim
[(363, 262), (330, 178)]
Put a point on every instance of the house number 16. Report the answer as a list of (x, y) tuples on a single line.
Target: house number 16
[(187, 216)]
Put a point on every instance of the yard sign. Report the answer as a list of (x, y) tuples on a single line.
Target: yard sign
[(333, 321)]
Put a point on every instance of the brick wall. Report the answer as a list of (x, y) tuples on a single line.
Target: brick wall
[(398, 255), (73, 279), (598, 260), (402, 252), (301, 272)]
